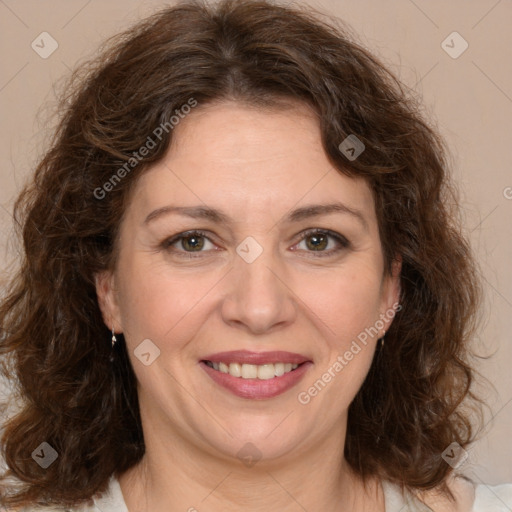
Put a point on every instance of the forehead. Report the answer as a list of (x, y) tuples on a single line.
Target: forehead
[(245, 159)]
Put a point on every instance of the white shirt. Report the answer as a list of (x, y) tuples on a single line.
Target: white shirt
[(487, 498)]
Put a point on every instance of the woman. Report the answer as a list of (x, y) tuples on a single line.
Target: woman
[(242, 284)]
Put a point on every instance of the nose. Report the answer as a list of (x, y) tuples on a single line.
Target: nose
[(260, 296)]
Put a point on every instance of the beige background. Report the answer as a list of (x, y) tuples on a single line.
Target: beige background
[(470, 98)]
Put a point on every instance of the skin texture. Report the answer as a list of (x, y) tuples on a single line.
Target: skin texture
[(256, 166)]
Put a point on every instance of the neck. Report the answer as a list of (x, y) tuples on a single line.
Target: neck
[(176, 475)]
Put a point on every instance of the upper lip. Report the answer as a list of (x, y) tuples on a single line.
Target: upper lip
[(257, 358)]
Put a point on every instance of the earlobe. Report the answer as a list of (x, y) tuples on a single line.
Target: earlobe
[(392, 295), (107, 300), (396, 269)]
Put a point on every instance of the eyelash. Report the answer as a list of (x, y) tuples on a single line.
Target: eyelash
[(342, 241)]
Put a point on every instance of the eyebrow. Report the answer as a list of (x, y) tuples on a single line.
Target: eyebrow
[(219, 217)]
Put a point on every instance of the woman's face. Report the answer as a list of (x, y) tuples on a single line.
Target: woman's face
[(244, 178)]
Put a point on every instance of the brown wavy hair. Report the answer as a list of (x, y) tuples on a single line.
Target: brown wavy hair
[(417, 398)]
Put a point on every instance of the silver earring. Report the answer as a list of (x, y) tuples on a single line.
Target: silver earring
[(382, 340), (114, 339)]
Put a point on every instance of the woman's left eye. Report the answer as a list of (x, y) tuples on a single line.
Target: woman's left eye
[(317, 240)]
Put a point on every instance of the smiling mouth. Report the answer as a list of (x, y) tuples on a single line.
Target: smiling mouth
[(254, 371)]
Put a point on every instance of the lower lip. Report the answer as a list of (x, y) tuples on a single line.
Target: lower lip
[(257, 389)]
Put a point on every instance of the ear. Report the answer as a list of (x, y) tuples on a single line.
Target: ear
[(391, 293), (108, 300)]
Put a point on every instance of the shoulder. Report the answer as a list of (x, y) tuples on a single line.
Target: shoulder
[(110, 500), (463, 491), (49, 508), (493, 498), (53, 508), (471, 497)]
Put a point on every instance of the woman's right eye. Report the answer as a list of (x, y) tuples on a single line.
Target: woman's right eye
[(191, 242)]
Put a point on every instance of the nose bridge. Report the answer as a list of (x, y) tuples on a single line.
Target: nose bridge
[(255, 265), (259, 297)]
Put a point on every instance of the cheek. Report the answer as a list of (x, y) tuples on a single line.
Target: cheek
[(349, 306), (347, 300), (156, 303)]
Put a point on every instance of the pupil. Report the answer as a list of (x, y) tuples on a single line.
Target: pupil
[(195, 243), (316, 242)]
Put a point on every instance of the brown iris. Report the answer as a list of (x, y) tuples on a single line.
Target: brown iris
[(316, 244)]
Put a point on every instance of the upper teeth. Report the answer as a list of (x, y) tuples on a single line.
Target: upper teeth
[(253, 371)]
